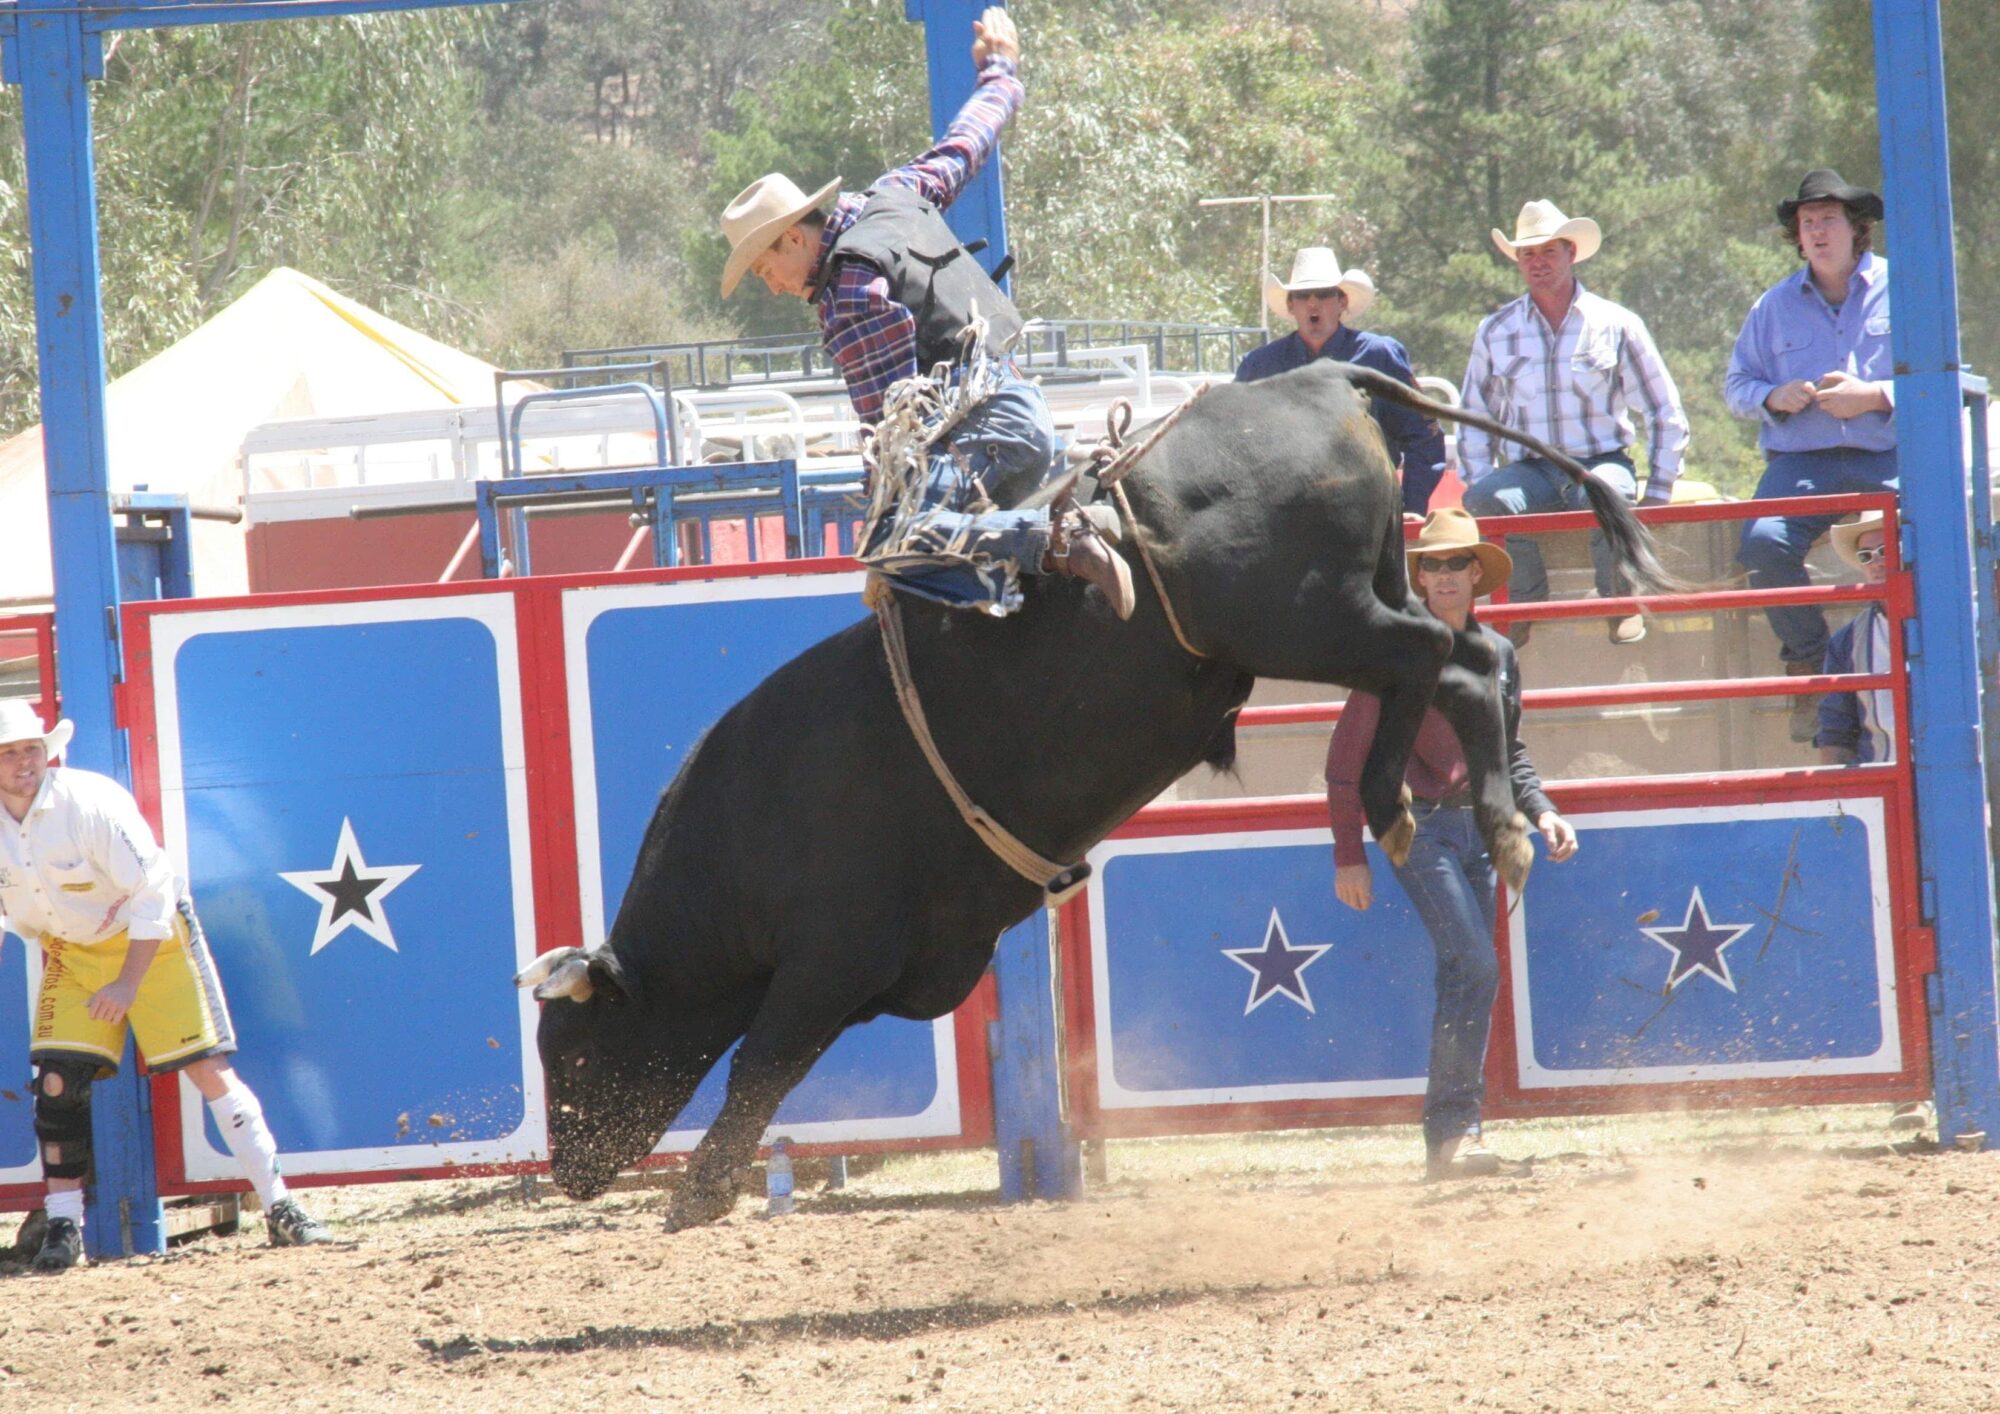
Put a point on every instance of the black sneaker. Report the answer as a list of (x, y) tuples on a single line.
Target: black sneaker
[(291, 1226), (62, 1246)]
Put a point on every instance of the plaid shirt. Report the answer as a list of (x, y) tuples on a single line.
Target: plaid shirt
[(1573, 387), (871, 338)]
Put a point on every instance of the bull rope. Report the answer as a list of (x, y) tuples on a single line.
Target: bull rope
[(1113, 462), (1033, 867)]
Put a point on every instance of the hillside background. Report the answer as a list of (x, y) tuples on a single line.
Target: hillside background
[(528, 178)]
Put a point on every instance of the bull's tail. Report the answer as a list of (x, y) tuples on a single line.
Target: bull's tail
[(1631, 543)]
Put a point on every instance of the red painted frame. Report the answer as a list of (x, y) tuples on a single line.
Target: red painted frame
[(551, 806)]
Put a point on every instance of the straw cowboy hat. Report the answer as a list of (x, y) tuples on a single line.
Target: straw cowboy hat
[(1317, 268), (1541, 222), (20, 722), (1451, 528), (1824, 184), (760, 214), (1847, 536)]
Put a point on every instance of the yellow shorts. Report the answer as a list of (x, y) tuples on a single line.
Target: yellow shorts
[(179, 1015)]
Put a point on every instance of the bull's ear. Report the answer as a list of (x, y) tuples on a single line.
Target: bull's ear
[(608, 975)]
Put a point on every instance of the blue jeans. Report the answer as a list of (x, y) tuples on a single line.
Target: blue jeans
[(1003, 451), (1449, 878), (1774, 548), (1532, 485)]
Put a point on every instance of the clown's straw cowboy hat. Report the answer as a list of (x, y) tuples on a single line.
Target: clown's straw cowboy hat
[(760, 214), (19, 722), (1541, 222), (1317, 268), (1847, 536), (1450, 528), (1824, 184)]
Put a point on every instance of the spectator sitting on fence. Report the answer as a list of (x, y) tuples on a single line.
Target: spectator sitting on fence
[(1859, 728), (1448, 873), (1813, 366), (885, 252), (1320, 297), (81, 873), (1568, 367)]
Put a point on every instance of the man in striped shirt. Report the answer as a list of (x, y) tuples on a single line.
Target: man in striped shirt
[(1566, 366), (895, 292)]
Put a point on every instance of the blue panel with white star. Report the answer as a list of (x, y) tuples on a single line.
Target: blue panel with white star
[(1718, 942), (347, 840), (660, 676), (1233, 969), (17, 1127)]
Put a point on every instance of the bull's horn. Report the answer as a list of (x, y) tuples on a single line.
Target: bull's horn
[(538, 971)]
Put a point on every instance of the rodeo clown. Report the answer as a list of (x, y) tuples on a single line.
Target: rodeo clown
[(896, 293), (81, 874)]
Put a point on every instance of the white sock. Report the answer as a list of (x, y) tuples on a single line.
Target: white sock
[(241, 1120), (64, 1203)]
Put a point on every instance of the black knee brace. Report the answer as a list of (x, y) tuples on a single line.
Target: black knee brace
[(62, 1119)]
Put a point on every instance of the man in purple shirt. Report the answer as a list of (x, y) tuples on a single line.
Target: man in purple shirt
[(1813, 366), (895, 292), (1319, 297)]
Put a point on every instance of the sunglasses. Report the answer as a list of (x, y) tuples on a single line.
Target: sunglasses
[(1869, 557), (1435, 564)]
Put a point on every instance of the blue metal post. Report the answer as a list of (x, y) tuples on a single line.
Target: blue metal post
[(1038, 1158), (980, 211), (1955, 869), (52, 58)]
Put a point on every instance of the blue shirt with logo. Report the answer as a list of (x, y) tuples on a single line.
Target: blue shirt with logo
[(1414, 440), (1792, 332)]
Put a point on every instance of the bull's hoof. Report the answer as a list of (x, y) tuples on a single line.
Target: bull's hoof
[(1513, 852), (696, 1204), (1396, 840)]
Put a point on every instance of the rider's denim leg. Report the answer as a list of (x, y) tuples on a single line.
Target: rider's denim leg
[(1449, 878), (1003, 450), (1774, 548)]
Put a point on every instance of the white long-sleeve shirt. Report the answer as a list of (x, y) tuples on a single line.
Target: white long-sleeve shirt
[(1574, 387), (84, 866)]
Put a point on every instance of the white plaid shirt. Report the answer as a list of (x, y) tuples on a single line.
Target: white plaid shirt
[(1573, 387)]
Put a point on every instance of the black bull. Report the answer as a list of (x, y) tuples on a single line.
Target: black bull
[(805, 871)]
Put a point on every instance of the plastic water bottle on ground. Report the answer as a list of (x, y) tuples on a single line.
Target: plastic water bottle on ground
[(778, 1180)]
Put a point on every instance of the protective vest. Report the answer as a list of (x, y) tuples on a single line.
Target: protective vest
[(929, 273)]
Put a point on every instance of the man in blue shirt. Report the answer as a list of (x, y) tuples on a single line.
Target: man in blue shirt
[(1813, 367), (1318, 297)]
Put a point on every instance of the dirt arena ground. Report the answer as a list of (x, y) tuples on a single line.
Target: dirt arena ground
[(1782, 1260)]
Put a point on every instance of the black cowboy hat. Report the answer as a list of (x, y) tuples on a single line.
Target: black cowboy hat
[(1824, 184)]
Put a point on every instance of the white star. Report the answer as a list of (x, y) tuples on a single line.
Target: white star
[(1277, 968), (1698, 944), (349, 892)]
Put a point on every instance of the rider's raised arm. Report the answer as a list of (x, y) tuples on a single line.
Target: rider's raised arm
[(940, 174)]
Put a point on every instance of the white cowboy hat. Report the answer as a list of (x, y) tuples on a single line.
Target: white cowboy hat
[(1453, 528), (1541, 222), (20, 722), (753, 222), (1847, 536), (1317, 268)]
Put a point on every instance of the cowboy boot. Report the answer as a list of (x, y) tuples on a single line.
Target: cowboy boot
[(1085, 554)]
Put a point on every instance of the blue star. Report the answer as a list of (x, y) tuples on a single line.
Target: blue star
[(1276, 967), (1697, 944)]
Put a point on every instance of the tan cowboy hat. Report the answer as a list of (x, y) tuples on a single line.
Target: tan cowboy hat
[(1316, 267), (760, 214), (20, 722), (1847, 536), (1541, 222), (1453, 528)]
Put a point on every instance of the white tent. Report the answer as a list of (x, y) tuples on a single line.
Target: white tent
[(290, 347)]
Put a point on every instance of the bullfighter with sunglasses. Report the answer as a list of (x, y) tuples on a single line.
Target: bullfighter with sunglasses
[(1448, 873)]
